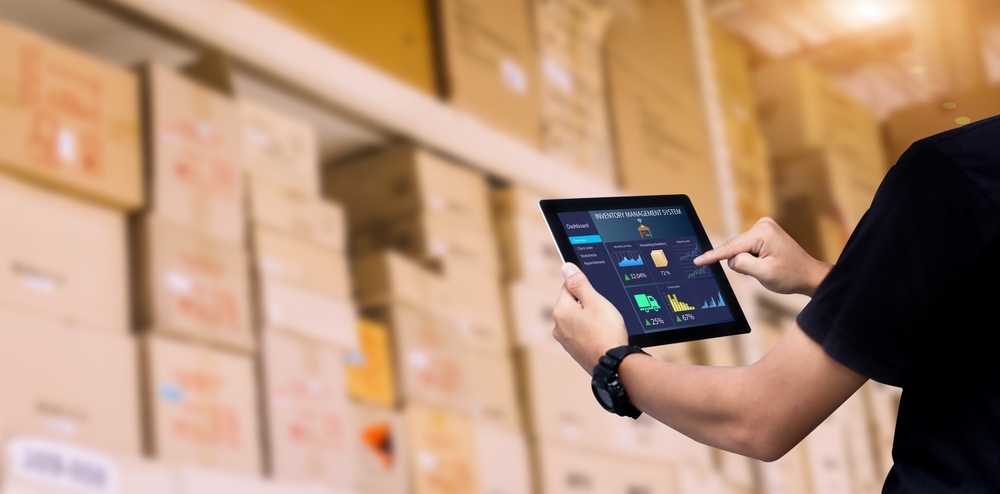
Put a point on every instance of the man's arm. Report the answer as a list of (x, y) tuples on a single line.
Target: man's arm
[(761, 411)]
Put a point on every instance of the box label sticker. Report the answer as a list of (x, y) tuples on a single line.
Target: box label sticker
[(513, 75), (171, 392), (63, 466), (557, 75)]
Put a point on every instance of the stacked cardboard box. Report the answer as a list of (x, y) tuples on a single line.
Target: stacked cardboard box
[(193, 271), (827, 154), (748, 152), (70, 170), (393, 35), (489, 63), (425, 261), (656, 106), (940, 114), (306, 317), (575, 123)]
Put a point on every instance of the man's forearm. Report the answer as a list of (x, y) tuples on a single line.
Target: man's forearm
[(701, 402), (760, 411)]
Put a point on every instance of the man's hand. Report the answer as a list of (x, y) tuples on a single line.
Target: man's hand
[(767, 253), (589, 328)]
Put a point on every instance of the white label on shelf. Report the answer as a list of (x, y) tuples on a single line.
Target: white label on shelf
[(436, 203), (205, 130), (62, 466), (178, 282), (37, 282), (419, 360), (558, 76), (62, 425), (269, 265), (257, 138), (66, 145), (513, 75), (427, 460)]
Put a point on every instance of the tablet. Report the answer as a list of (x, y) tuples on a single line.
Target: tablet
[(638, 252)]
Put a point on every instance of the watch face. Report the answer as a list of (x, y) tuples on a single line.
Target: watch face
[(604, 397)]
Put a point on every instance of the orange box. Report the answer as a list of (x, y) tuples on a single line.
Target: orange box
[(68, 385), (309, 427), (64, 259), (193, 286), (441, 450), (370, 371), (296, 213), (68, 120), (383, 448), (195, 147), (278, 147), (202, 406)]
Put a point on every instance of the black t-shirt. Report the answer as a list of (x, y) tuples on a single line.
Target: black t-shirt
[(914, 302)]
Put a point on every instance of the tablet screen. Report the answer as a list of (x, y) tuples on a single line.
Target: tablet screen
[(642, 260)]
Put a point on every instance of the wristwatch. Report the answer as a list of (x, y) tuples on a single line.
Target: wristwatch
[(608, 388)]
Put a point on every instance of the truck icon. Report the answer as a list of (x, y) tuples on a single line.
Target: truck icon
[(647, 303)]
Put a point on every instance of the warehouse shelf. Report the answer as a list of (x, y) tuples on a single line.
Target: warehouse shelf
[(336, 78)]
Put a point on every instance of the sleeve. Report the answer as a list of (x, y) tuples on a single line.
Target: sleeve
[(913, 252)]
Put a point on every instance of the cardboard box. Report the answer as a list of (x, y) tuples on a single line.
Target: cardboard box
[(442, 451), (566, 471), (392, 35), (475, 305), (517, 201), (386, 277), (304, 264), (575, 121), (656, 106), (202, 406), (278, 147), (560, 403), (801, 111), (502, 461), (531, 309), (940, 114), (65, 259), (860, 443), (296, 213), (827, 458), (195, 149), (292, 308), (309, 428), (883, 408), (821, 234), (492, 392), (383, 450), (195, 480), (529, 253), (193, 285), (489, 63), (41, 466), (370, 370), (68, 120), (451, 248), (49, 380), (404, 180), (429, 360), (788, 474)]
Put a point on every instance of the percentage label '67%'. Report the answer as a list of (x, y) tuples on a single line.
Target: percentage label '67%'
[(685, 317)]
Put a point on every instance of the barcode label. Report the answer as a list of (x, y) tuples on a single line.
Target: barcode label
[(63, 466)]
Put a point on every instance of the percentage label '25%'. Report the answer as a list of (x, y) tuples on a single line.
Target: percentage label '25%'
[(655, 321)]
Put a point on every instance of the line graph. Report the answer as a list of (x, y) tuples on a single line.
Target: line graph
[(627, 258)]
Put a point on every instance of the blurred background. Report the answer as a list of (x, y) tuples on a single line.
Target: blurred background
[(293, 246)]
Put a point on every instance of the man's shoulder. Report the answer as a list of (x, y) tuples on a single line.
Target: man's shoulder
[(974, 150)]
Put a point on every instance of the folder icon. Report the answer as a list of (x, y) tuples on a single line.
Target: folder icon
[(659, 259)]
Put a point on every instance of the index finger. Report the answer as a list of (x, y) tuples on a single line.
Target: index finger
[(744, 242)]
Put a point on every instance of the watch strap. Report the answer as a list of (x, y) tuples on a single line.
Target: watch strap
[(619, 353)]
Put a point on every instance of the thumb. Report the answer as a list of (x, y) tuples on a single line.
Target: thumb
[(748, 264), (577, 283)]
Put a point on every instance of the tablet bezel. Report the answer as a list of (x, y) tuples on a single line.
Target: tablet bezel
[(739, 325)]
